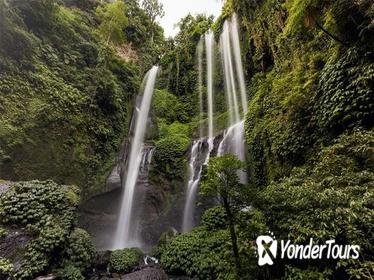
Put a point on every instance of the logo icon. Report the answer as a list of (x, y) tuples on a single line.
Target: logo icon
[(266, 249)]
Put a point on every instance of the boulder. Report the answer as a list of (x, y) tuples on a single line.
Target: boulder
[(4, 186), (13, 245), (101, 261)]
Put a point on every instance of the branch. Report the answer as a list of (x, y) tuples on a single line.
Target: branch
[(330, 35)]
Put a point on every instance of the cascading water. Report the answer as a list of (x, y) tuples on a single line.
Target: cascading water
[(147, 154), (197, 160), (233, 141), (195, 167), (229, 75), (234, 31), (209, 45), (124, 236), (200, 53)]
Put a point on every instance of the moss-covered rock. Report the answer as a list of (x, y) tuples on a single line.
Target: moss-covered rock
[(169, 155)]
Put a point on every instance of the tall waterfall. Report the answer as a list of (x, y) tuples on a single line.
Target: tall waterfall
[(200, 53), (229, 75), (124, 236), (198, 158), (233, 140), (234, 31), (209, 44)]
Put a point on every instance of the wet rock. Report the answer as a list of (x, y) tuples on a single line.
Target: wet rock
[(13, 245), (148, 273), (106, 278), (181, 278), (101, 260), (47, 277), (4, 186)]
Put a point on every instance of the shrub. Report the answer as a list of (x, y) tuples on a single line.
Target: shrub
[(44, 209), (124, 261), (169, 154), (200, 253), (165, 238), (214, 218), (293, 273), (3, 232), (6, 268), (80, 250), (331, 198), (346, 92), (73, 194), (71, 272), (166, 105)]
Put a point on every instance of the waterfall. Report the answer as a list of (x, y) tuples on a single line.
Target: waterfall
[(233, 140), (233, 76), (209, 44), (200, 52), (198, 158), (125, 226), (188, 222), (234, 31), (229, 75), (147, 154)]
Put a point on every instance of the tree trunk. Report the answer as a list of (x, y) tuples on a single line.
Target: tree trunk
[(234, 240), (330, 34)]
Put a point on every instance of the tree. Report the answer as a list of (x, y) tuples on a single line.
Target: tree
[(350, 18), (179, 62), (153, 9), (222, 180), (113, 21)]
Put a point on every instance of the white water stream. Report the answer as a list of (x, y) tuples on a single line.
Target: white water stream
[(125, 236), (233, 141)]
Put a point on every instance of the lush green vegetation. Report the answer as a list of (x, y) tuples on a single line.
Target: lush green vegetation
[(309, 136), (124, 261), (329, 199), (69, 74), (68, 79), (47, 214)]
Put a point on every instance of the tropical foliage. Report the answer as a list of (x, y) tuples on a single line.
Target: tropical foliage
[(70, 71)]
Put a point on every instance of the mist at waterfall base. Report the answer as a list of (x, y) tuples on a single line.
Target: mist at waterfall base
[(233, 140), (126, 233)]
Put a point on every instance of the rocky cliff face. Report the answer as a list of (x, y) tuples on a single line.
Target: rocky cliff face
[(99, 214), (158, 207)]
